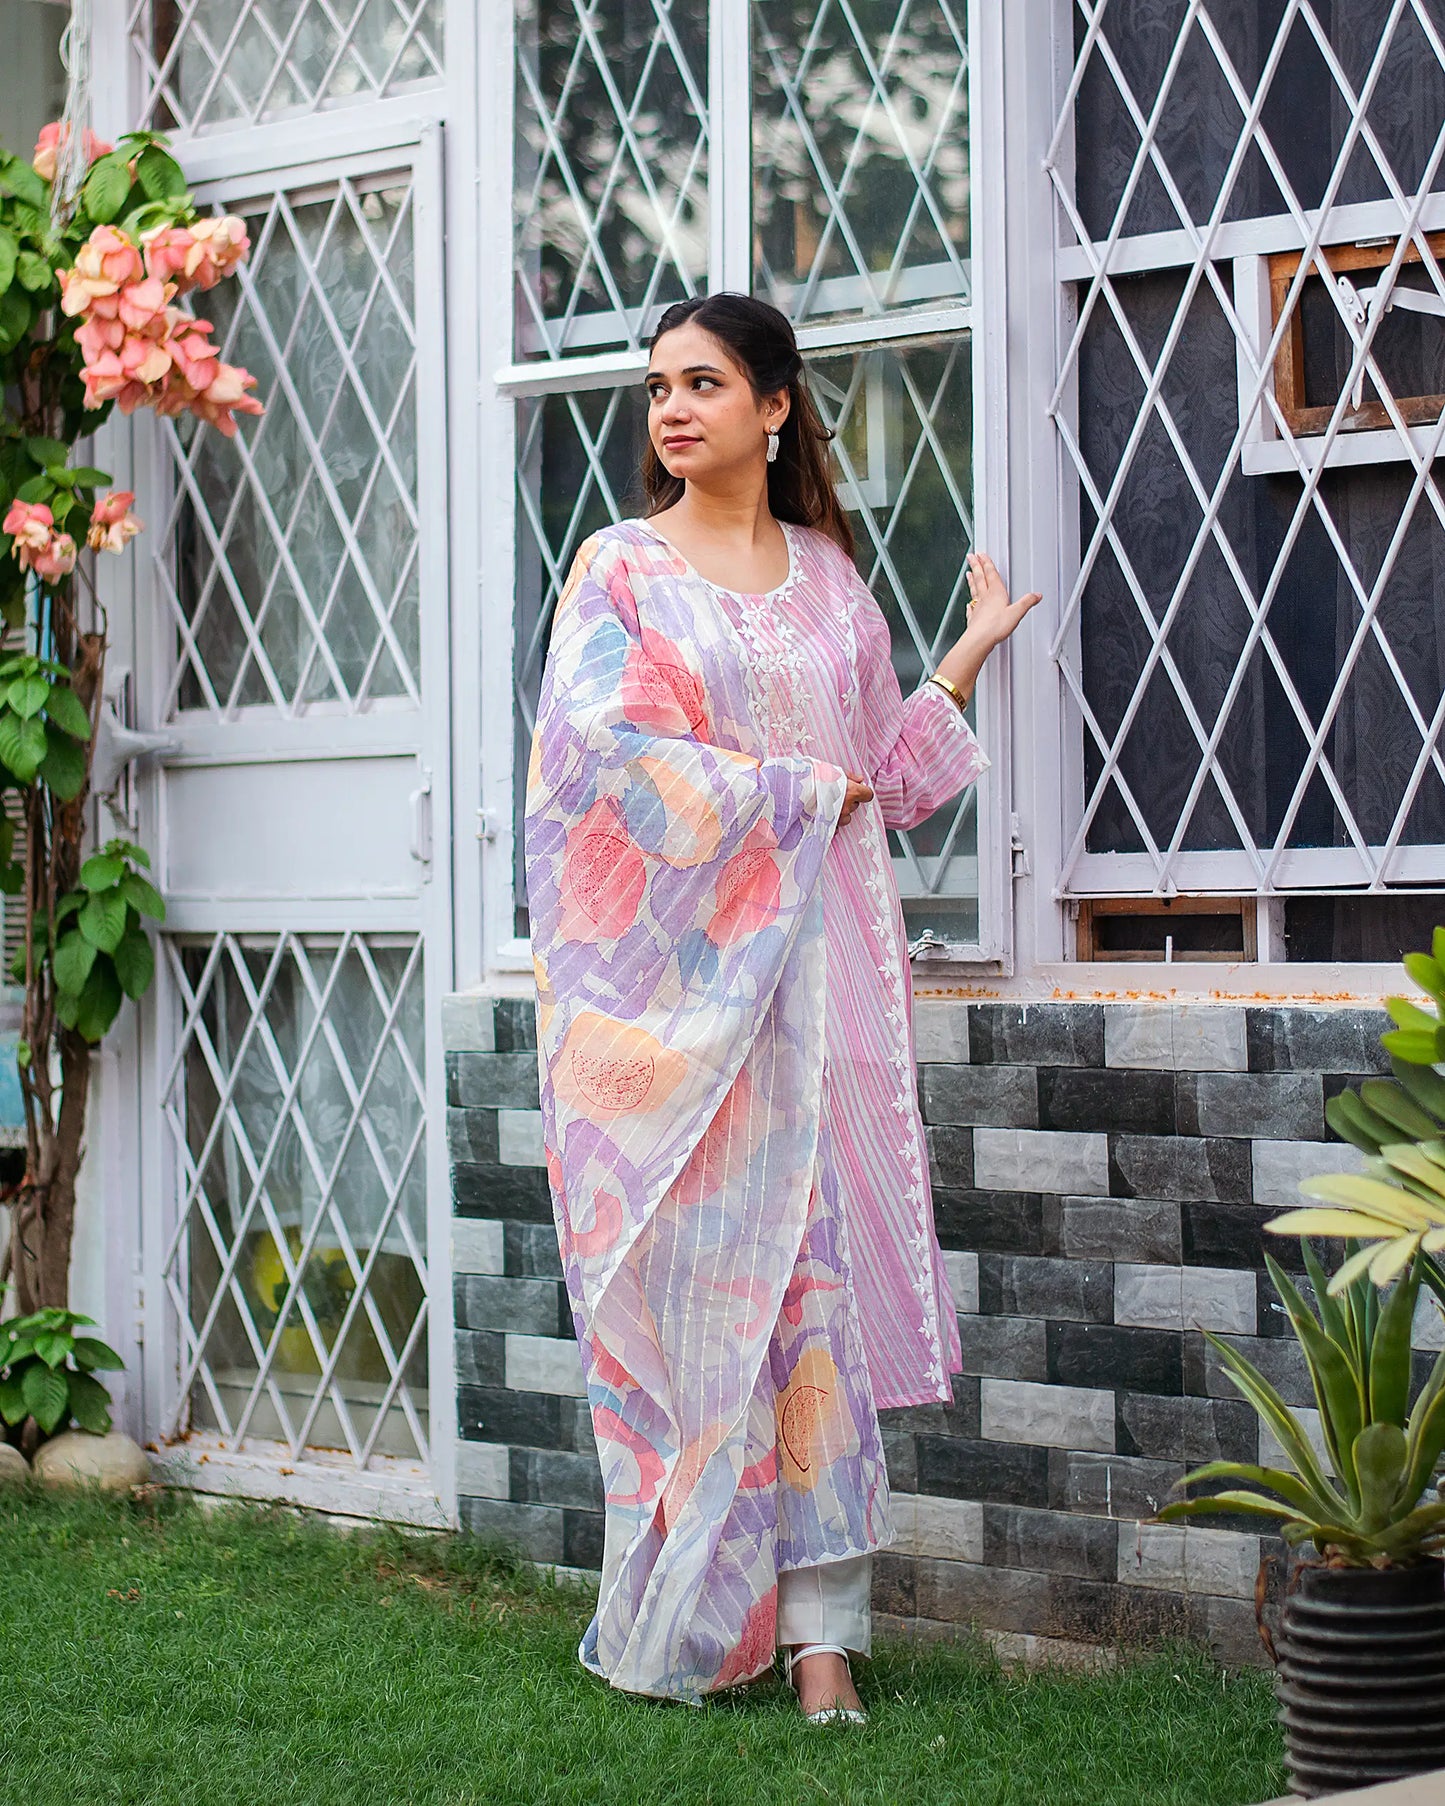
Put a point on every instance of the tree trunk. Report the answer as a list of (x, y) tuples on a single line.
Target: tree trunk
[(42, 1221)]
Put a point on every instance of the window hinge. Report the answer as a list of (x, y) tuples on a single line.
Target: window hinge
[(1021, 865), (486, 825), (140, 1300)]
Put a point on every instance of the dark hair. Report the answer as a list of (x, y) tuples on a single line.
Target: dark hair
[(760, 342)]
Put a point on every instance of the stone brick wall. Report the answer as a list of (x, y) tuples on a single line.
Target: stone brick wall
[(1102, 1174)]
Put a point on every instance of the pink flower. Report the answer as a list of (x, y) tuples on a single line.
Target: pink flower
[(218, 244), (191, 351), (97, 335), (112, 525), (125, 374), (166, 251), (139, 303), (226, 397), (38, 547), (30, 524), (105, 263), (57, 560), (47, 150)]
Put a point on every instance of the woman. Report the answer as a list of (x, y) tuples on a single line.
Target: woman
[(734, 1148)]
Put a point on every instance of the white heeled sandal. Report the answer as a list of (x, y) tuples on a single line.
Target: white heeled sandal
[(825, 1714)]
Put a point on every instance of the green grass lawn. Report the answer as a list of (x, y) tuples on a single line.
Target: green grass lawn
[(157, 1655)]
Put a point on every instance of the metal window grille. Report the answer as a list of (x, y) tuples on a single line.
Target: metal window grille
[(215, 65), (289, 563), (817, 153), (1252, 641), (295, 1106)]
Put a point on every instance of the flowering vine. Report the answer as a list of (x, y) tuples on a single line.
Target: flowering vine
[(93, 316)]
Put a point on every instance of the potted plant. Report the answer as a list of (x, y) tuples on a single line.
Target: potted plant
[(1361, 1644)]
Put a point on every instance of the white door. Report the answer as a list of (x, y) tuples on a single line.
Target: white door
[(297, 664)]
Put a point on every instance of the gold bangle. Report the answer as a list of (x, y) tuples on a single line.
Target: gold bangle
[(951, 690)]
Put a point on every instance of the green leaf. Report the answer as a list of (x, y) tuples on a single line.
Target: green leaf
[(1338, 1391), (89, 1403), (1247, 1504), (54, 1346), (27, 695), (106, 189), (1287, 1429), (64, 764), (90, 1351), (159, 175), (16, 314), (67, 711), (34, 271), (102, 919), (12, 1400), (9, 252), (73, 960), (1379, 1455), (46, 1395), (1352, 1122), (1417, 1048), (143, 896), (1386, 1099), (102, 871), (1331, 1316), (19, 179), (86, 476), (1427, 973), (48, 451), (1288, 1486), (99, 1002), (135, 963), (36, 489), (1406, 1014), (68, 904), (1425, 1085), (22, 746)]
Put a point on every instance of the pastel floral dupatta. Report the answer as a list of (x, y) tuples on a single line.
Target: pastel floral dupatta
[(673, 872)]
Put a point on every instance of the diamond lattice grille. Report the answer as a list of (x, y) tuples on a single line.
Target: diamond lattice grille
[(297, 1266), (1254, 642), (210, 64), (610, 169), (860, 147), (904, 424), (289, 563)]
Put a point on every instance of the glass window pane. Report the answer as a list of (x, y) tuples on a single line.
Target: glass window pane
[(904, 420), (610, 169), (211, 63), (294, 545), (297, 1114), (860, 154)]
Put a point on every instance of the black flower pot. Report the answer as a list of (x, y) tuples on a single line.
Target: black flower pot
[(1361, 1676)]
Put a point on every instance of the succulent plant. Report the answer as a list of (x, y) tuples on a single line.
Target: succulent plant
[(1366, 1503)]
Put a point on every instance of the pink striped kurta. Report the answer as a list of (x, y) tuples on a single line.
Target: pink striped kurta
[(724, 1026)]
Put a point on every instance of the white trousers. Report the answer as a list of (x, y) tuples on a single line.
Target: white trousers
[(827, 1604)]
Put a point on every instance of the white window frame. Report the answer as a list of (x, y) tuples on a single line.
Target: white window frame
[(507, 958)]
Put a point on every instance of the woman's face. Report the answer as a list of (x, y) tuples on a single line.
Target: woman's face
[(702, 416)]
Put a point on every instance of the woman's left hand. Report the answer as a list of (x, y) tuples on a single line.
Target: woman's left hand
[(991, 616), (991, 619)]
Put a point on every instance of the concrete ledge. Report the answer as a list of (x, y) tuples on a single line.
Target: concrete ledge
[(1416, 1790)]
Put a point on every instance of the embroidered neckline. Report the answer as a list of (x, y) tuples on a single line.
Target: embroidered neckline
[(741, 595)]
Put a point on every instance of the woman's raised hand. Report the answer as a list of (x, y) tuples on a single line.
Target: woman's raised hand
[(991, 616), (859, 791)]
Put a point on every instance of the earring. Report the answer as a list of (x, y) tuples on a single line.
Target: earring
[(772, 445)]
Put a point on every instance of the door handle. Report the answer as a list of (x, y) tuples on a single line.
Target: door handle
[(421, 819)]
